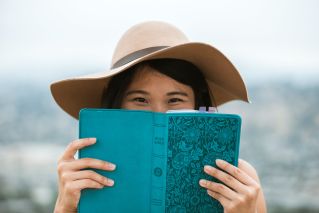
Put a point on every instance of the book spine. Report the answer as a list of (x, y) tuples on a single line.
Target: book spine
[(159, 158)]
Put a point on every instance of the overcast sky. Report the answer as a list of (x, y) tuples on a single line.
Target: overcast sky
[(42, 39)]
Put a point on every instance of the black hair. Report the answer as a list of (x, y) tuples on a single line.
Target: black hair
[(180, 70)]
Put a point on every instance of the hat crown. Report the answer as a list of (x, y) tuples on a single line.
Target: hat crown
[(147, 35)]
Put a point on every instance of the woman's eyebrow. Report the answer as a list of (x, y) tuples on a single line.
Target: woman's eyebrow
[(136, 91), (177, 93)]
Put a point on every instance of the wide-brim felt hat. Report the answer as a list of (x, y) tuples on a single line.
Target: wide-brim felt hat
[(146, 41)]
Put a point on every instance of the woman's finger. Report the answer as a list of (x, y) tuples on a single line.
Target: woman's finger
[(89, 174), (92, 163), (223, 200), (75, 145), (235, 172), (219, 188), (78, 185), (227, 179)]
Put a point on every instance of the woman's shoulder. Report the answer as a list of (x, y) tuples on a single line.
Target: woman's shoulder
[(248, 168)]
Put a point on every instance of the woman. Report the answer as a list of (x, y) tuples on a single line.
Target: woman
[(156, 68)]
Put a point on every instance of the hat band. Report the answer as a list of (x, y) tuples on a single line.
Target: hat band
[(135, 55)]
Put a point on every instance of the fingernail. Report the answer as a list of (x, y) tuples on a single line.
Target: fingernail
[(111, 166), (202, 182), (110, 182), (220, 162), (208, 168), (92, 140)]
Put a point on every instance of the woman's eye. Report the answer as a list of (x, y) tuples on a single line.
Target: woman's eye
[(140, 100), (175, 100)]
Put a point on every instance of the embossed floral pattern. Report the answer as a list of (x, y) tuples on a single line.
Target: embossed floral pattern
[(193, 142)]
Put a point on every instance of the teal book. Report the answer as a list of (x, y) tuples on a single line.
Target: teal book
[(159, 158)]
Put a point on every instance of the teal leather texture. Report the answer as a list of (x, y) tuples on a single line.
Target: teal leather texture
[(159, 158)]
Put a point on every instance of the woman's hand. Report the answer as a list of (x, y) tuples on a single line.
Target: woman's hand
[(73, 177), (240, 192)]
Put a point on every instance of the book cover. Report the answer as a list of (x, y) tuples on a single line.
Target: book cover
[(159, 158)]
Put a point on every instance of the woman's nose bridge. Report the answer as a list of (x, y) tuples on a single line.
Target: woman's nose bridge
[(159, 107)]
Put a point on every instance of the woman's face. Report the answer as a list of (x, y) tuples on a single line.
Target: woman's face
[(151, 90)]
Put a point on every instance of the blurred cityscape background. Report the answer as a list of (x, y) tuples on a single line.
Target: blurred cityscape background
[(274, 44)]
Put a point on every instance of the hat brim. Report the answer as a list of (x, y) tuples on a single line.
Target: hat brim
[(222, 77)]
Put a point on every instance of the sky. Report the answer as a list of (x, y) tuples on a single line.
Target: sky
[(49, 40)]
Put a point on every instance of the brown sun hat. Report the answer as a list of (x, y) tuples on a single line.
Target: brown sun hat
[(145, 41)]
